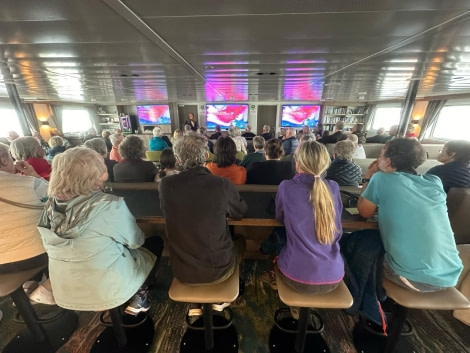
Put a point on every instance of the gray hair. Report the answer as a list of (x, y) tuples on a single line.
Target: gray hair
[(234, 131), (98, 145), (55, 141), (157, 132), (191, 151), (344, 149), (132, 147), (339, 125), (116, 139), (266, 128), (353, 138), (4, 152), (26, 147), (309, 136), (259, 142)]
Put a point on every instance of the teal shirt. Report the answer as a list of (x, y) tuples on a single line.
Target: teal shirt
[(415, 229)]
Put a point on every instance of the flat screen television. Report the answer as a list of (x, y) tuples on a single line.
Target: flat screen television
[(226, 115), (154, 114), (300, 115)]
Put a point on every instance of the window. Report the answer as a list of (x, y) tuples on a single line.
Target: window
[(9, 122), (386, 117), (453, 123), (75, 120)]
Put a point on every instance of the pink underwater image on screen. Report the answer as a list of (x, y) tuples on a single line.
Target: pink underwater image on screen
[(226, 115), (154, 114), (300, 115)]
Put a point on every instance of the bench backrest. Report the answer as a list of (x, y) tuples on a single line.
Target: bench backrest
[(458, 204)]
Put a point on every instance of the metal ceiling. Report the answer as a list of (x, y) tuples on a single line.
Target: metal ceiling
[(132, 51)]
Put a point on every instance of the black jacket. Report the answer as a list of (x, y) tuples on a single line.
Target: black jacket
[(452, 174), (344, 172), (337, 136), (269, 172)]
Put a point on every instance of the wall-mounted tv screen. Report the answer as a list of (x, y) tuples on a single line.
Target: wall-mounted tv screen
[(226, 115), (154, 114), (300, 115)]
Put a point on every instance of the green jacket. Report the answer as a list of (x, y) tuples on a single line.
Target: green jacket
[(93, 244)]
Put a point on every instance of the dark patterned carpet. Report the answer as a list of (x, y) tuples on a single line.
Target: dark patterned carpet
[(435, 331)]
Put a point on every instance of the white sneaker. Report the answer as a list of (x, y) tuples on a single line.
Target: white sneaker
[(220, 306), (42, 295)]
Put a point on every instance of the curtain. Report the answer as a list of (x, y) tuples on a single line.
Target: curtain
[(30, 115), (55, 112), (430, 117), (370, 116)]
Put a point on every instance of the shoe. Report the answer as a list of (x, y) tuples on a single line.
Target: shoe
[(42, 295), (270, 277), (30, 286), (195, 310), (139, 303), (220, 306), (294, 312)]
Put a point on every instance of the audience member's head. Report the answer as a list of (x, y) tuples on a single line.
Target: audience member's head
[(458, 151), (305, 129), (290, 132), (12, 135), (132, 147), (26, 147), (266, 128), (117, 131), (167, 159), (187, 130), (339, 126), (248, 128), (157, 131), (354, 139), (273, 149), (405, 155), (98, 145), (105, 134), (381, 131), (203, 130), (116, 139), (56, 141), (344, 149), (357, 128), (393, 130), (258, 143), (234, 131), (77, 171), (177, 134), (191, 151), (225, 152), (309, 136), (6, 163), (312, 157), (217, 128)]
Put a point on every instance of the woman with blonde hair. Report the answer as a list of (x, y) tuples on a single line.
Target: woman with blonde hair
[(97, 256), (310, 208), (236, 135)]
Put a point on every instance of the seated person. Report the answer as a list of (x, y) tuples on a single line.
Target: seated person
[(116, 140), (157, 143), (55, 132), (177, 134), (167, 165), (290, 142), (318, 131), (420, 250), (132, 168), (266, 134), (97, 255), (392, 133), (336, 136), (196, 205), (455, 172), (44, 145), (257, 155), (216, 134), (99, 146), (91, 134), (273, 170), (310, 262), (235, 134), (359, 152), (378, 138), (57, 146), (21, 245), (343, 170), (357, 130), (28, 149), (224, 161), (105, 136), (248, 135)]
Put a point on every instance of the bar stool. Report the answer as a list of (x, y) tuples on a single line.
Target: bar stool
[(447, 299), (44, 335), (214, 332), (298, 335)]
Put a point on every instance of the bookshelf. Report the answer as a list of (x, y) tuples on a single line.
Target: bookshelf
[(350, 114), (108, 117)]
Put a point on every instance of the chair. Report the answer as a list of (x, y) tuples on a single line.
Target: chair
[(153, 156), (219, 335), (448, 299), (283, 336), (458, 203), (44, 335), (240, 155)]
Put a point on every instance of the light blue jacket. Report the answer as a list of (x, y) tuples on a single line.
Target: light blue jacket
[(94, 246)]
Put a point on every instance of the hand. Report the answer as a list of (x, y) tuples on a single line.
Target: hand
[(25, 168), (373, 168)]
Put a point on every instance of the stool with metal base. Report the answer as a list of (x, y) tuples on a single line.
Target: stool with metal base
[(214, 332), (447, 299), (44, 335), (288, 335)]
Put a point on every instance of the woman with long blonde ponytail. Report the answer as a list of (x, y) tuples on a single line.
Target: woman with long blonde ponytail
[(310, 208)]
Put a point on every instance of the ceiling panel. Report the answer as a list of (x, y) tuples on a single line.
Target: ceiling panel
[(185, 51)]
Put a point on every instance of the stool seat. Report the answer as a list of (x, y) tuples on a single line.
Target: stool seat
[(9, 282), (447, 299), (340, 298)]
